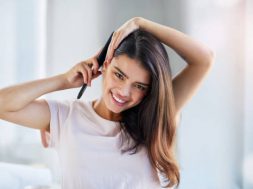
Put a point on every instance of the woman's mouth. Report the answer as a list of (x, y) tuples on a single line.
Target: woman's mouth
[(117, 100)]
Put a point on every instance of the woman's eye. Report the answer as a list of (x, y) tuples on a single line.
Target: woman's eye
[(119, 75), (141, 87)]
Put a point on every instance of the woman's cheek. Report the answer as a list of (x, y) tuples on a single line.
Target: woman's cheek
[(138, 99), (111, 83)]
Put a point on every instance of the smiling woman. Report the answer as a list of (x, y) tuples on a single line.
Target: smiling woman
[(136, 112), (149, 62)]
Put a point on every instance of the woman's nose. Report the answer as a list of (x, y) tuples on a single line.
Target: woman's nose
[(125, 91)]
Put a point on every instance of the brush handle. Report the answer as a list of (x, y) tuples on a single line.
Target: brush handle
[(100, 59)]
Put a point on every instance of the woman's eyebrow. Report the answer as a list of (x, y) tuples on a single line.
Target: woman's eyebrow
[(120, 71), (128, 77)]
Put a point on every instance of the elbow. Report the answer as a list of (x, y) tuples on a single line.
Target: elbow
[(210, 58), (1, 104), (205, 59), (1, 107)]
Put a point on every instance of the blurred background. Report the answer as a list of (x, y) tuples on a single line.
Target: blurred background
[(40, 38)]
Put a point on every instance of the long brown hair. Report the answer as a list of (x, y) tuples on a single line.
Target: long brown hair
[(152, 122)]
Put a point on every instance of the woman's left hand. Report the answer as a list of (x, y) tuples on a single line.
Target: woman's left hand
[(122, 32)]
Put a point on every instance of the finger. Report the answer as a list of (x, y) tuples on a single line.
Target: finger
[(81, 70), (89, 72), (96, 75), (95, 65), (109, 52), (108, 55), (115, 39), (111, 46), (118, 40)]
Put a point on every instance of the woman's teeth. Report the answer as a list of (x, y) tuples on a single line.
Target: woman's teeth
[(118, 100)]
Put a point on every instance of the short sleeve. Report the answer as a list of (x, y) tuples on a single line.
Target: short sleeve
[(59, 111)]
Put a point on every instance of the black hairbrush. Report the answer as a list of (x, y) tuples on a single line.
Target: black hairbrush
[(101, 59)]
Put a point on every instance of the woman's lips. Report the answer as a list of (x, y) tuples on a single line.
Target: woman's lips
[(117, 101)]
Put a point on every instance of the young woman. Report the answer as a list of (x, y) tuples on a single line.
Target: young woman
[(126, 137)]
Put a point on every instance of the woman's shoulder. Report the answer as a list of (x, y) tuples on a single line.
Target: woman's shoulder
[(69, 106), (69, 102)]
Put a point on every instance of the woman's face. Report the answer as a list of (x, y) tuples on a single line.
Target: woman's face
[(125, 83)]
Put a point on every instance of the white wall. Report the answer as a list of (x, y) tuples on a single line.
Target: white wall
[(211, 133), (18, 47), (21, 60), (73, 36), (248, 100)]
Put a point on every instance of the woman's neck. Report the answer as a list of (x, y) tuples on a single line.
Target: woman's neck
[(101, 109)]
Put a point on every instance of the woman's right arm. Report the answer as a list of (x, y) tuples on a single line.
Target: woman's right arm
[(19, 103)]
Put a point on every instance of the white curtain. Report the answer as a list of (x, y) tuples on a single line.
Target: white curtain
[(248, 99), (22, 58)]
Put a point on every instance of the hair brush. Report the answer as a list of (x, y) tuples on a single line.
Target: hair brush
[(100, 59)]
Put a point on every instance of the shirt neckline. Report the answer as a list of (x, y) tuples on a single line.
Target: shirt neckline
[(99, 117)]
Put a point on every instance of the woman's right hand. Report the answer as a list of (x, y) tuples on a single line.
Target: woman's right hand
[(83, 72)]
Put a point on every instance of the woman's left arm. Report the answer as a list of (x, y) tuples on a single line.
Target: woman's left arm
[(198, 57)]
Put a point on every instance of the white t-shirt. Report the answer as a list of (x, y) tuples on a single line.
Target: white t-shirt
[(89, 153)]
